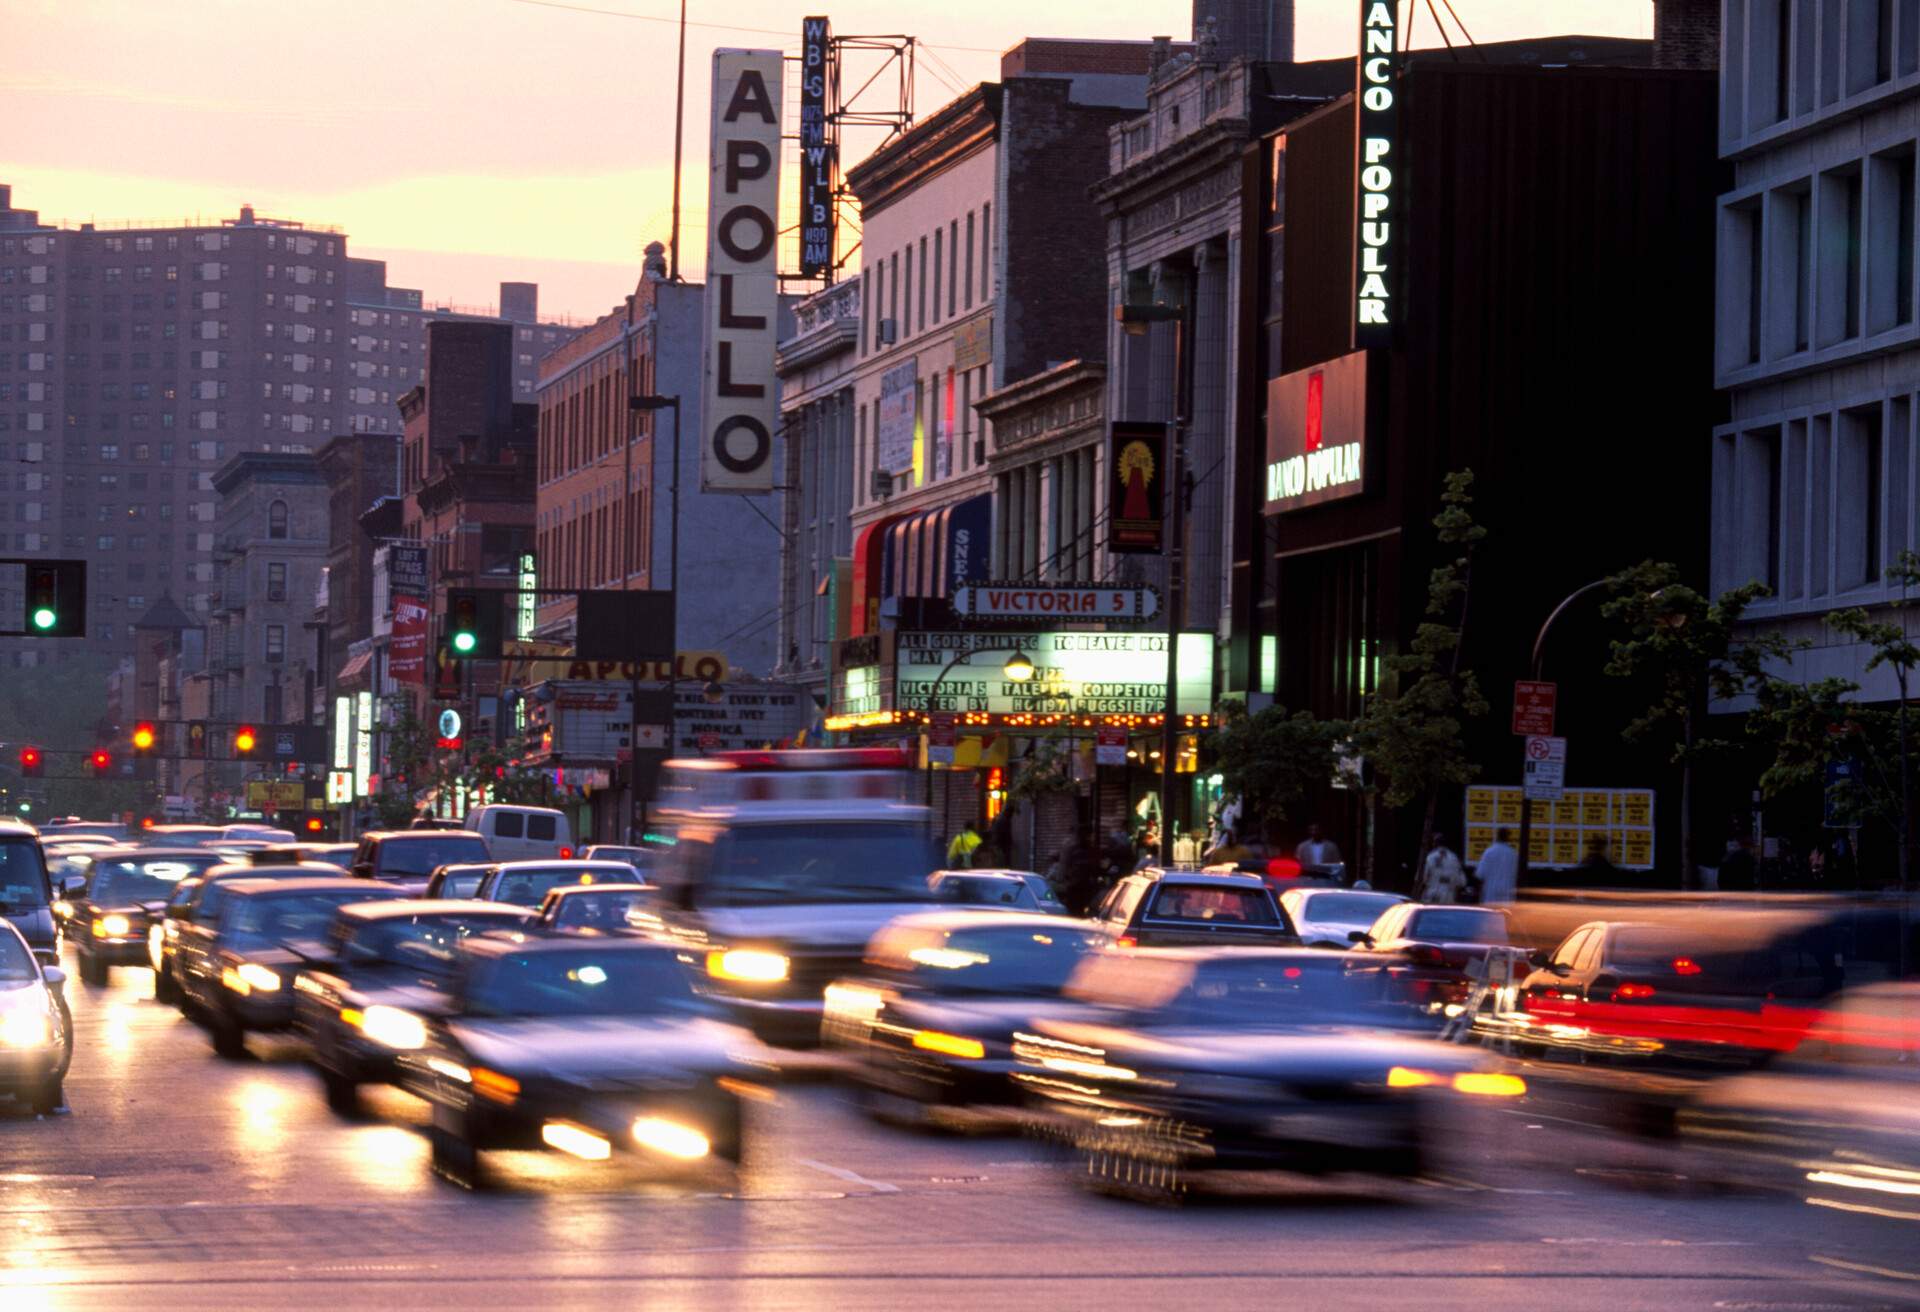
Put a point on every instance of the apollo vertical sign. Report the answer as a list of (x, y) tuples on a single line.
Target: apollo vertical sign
[(739, 407), (816, 153), (1376, 174)]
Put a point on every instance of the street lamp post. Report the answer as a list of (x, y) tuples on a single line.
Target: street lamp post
[(1018, 668), (1538, 667), (1136, 320), (649, 403)]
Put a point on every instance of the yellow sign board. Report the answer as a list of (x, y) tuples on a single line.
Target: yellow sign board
[(280, 796), (1566, 831)]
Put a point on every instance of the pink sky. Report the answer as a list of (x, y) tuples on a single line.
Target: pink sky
[(471, 141)]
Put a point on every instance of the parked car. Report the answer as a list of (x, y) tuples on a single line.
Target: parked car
[(36, 1032), (1189, 1061), (524, 883), (523, 833), (984, 888), (407, 858), (389, 961), (932, 1016), (599, 909), (237, 969), (1329, 917), (1173, 908)]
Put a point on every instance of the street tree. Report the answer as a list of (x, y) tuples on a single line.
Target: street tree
[(1272, 760), (1412, 732), (1691, 650)]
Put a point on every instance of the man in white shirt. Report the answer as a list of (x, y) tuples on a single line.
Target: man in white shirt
[(1499, 870), (1316, 851)]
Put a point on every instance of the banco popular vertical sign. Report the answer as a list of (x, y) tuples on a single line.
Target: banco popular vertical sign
[(739, 405), (1377, 167)]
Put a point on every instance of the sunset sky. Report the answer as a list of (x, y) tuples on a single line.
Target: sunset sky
[(470, 141)]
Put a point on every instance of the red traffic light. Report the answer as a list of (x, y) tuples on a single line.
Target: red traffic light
[(315, 824), (244, 739), (29, 756)]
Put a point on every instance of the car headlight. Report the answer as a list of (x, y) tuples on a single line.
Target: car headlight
[(25, 1028), (248, 978), (110, 926), (63, 908), (391, 1027), (671, 1138), (748, 965)]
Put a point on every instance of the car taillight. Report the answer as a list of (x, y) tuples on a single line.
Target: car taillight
[(566, 854), (1685, 966), (1126, 941), (1631, 992), (1425, 954)]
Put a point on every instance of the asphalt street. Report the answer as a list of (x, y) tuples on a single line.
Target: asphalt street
[(180, 1180)]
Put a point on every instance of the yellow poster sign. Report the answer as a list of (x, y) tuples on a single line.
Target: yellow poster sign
[(1564, 832)]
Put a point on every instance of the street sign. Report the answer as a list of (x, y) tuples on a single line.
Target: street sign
[(1544, 776), (1026, 601), (1110, 745), (339, 787), (940, 737), (1533, 708)]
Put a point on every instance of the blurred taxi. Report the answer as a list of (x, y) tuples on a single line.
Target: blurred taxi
[(931, 1018), (388, 965), (1186, 1061), (581, 1045), (1174, 908)]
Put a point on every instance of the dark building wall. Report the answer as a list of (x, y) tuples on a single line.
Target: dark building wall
[(1686, 34), (469, 384), (1055, 275), (1556, 338)]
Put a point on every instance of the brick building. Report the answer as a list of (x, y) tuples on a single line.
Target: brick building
[(359, 469), (136, 361)]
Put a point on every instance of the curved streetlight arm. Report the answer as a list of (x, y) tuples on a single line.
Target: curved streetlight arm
[(1540, 640)]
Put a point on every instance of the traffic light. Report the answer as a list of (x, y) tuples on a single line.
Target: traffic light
[(101, 761), (31, 763), (143, 737), (245, 740), (56, 599), (474, 623), (315, 824)]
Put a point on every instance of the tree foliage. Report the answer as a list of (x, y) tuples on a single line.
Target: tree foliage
[(1272, 760)]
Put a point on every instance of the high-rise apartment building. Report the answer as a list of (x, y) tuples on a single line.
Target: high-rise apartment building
[(136, 361)]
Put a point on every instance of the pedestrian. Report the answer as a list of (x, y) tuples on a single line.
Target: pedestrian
[(1316, 850), (965, 843), (1441, 875), (1739, 873), (1230, 852), (1597, 870), (1499, 869), (1081, 884)]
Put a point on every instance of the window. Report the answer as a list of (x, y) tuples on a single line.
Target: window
[(922, 308), (967, 299), (276, 581), (953, 267), (939, 242), (1857, 553), (986, 251), (277, 520), (276, 643)]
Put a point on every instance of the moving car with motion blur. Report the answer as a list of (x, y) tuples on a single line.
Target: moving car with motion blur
[(68, 867), (74, 827), (1329, 917), (784, 865), (599, 909), (640, 858), (524, 883), (279, 854), (36, 1033), (456, 880), (1427, 954), (930, 1019), (388, 964), (1184, 908), (986, 888), (122, 898), (583, 1045), (237, 972), (26, 890), (1187, 1061), (183, 836), (193, 909), (408, 857)]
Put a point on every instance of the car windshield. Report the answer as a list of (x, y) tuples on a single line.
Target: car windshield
[(591, 982), (464, 884), (1043, 892), (1458, 925), (1014, 960), (402, 858), (1356, 909), (286, 917), (613, 909), (1280, 993), (118, 883), (1213, 904), (633, 856), (985, 890), (526, 887), (16, 963), (767, 865), (424, 942), (23, 875)]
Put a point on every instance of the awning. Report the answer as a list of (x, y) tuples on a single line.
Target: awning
[(927, 554), (355, 670)]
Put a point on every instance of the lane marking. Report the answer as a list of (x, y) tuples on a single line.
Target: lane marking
[(851, 1177)]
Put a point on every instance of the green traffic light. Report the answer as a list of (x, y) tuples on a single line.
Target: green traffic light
[(464, 642), (44, 618)]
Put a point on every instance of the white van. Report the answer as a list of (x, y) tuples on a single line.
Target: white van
[(523, 833)]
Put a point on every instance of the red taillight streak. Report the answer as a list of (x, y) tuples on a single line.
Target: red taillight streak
[(1685, 966), (1126, 941), (1628, 992)]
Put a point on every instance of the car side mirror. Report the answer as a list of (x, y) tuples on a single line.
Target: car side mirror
[(54, 976), (74, 884), (1538, 959), (1360, 936)]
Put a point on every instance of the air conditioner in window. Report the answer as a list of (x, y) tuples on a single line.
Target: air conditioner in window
[(889, 331), (882, 486), (979, 451)]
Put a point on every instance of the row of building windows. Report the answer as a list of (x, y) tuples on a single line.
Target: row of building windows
[(945, 278), (1794, 57), (945, 439), (593, 549)]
